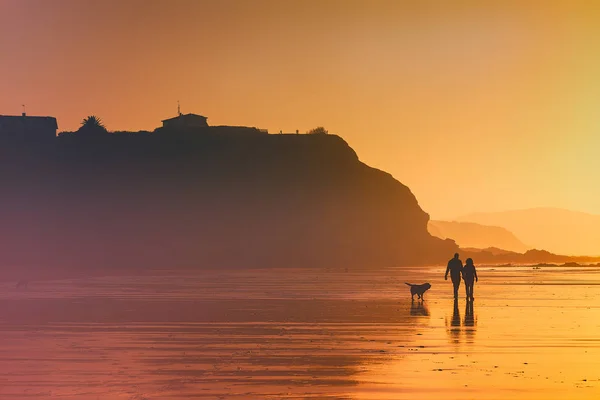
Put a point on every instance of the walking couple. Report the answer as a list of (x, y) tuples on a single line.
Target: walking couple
[(468, 273)]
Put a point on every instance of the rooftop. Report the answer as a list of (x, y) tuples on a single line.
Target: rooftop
[(28, 120), (185, 116)]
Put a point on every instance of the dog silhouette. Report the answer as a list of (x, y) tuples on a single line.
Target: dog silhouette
[(419, 290)]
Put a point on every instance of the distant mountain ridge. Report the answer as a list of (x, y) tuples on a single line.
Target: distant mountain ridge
[(470, 234), (553, 229), (530, 257)]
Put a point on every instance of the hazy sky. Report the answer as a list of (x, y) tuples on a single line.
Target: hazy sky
[(475, 105)]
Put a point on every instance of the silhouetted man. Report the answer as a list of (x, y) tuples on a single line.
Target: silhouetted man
[(455, 267)]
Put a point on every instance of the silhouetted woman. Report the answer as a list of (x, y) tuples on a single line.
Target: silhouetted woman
[(469, 274)]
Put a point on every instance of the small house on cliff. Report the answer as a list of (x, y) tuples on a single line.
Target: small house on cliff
[(185, 121), (25, 127)]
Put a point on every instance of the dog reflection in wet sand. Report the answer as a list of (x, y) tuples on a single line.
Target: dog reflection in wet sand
[(419, 290), (419, 308)]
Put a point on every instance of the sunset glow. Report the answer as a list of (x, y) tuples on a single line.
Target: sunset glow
[(466, 103), (300, 199)]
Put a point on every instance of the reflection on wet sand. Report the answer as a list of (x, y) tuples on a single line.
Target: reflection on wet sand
[(453, 327), (299, 334), (210, 335), (457, 329), (470, 322), (419, 308)]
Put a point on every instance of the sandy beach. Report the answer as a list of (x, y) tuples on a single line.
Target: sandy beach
[(297, 334)]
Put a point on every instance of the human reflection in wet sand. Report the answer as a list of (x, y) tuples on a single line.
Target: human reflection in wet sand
[(469, 314), (455, 323), (455, 328), (470, 321), (455, 314), (418, 308)]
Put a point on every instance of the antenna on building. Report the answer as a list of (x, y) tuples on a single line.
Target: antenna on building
[(24, 114), (178, 108)]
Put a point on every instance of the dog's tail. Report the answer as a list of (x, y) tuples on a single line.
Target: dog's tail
[(409, 284)]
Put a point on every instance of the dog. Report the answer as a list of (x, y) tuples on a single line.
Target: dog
[(419, 290)]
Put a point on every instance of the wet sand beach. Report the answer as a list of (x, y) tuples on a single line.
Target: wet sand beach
[(302, 333)]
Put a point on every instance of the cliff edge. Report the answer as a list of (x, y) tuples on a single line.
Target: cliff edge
[(212, 198)]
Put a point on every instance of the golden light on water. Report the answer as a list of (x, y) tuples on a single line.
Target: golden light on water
[(301, 333)]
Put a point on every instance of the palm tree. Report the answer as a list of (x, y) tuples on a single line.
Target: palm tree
[(92, 124)]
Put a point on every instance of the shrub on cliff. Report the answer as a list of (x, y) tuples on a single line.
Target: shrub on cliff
[(318, 131)]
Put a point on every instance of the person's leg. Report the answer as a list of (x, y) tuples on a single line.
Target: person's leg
[(456, 283), (472, 286)]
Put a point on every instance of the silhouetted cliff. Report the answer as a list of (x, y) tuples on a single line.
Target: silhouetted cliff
[(215, 198)]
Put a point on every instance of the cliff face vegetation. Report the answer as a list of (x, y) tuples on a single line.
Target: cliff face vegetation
[(219, 198)]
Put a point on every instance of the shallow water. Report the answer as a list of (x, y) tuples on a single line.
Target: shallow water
[(291, 334)]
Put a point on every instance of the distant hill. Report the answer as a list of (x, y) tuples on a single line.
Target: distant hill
[(469, 234), (556, 230), (494, 251), (213, 197), (499, 256)]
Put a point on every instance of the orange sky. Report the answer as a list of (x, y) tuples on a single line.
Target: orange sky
[(476, 106)]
